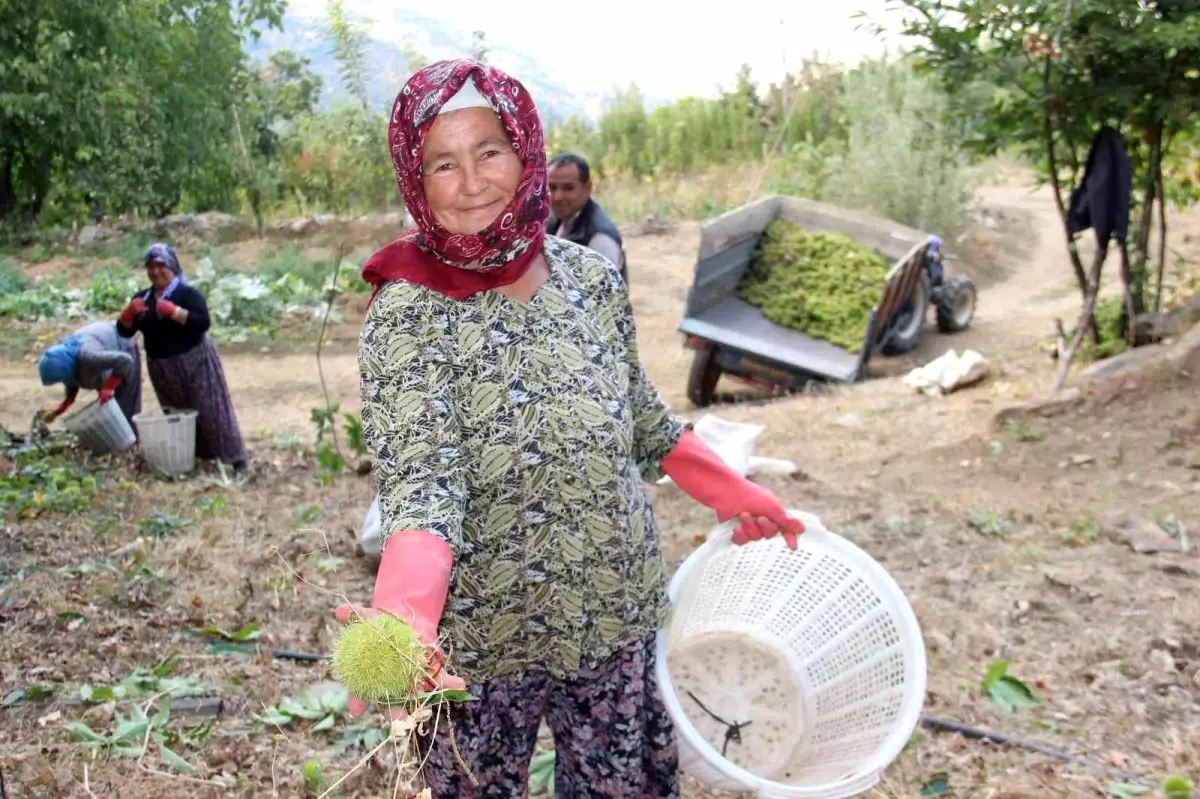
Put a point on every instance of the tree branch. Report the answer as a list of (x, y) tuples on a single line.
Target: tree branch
[(1162, 236), (1086, 319), (1131, 303), (337, 267), (1052, 161), (1141, 251)]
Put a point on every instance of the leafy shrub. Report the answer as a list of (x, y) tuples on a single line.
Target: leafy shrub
[(11, 279), (822, 284), (42, 480), (903, 160), (108, 293), (1111, 329)]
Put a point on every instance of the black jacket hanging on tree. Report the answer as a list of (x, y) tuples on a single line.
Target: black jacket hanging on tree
[(1101, 200)]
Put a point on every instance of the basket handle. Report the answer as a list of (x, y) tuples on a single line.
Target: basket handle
[(850, 787), (722, 534)]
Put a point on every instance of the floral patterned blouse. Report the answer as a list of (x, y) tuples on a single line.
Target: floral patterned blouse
[(521, 433)]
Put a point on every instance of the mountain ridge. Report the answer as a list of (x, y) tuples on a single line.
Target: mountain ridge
[(389, 30)]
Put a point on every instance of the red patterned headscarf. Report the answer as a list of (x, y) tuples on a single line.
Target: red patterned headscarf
[(460, 265)]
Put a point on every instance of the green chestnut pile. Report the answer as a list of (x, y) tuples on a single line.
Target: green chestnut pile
[(821, 284)]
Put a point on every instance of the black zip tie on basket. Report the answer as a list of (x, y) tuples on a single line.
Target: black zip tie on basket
[(733, 732)]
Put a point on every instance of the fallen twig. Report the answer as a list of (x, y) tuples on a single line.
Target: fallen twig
[(182, 778)]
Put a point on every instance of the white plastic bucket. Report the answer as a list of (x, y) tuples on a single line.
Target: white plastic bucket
[(831, 663), (168, 440), (101, 427)]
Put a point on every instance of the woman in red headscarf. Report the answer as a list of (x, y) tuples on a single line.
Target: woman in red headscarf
[(513, 429)]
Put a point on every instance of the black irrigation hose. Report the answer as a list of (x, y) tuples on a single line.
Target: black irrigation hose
[(977, 734), (287, 654)]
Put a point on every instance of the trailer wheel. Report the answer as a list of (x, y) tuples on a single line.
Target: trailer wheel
[(954, 304), (910, 318), (702, 380)]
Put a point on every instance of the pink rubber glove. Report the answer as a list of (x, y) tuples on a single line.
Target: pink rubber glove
[(135, 308), (165, 309), (703, 476), (412, 583), (67, 402), (108, 388)]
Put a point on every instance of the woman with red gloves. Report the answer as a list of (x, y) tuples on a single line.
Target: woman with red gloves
[(514, 430), (182, 361), (94, 357)]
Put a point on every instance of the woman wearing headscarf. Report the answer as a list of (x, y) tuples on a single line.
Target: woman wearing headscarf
[(181, 359), (94, 357), (513, 429)]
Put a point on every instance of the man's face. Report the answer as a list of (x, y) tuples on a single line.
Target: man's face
[(568, 194)]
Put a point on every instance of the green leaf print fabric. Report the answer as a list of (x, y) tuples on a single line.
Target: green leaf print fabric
[(522, 434)]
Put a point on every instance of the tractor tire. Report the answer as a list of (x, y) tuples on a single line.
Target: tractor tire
[(702, 380), (910, 319), (954, 304)]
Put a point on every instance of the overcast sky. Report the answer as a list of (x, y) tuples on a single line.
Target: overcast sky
[(670, 49)]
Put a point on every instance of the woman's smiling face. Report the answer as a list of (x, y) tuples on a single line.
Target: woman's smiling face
[(160, 274), (470, 170)]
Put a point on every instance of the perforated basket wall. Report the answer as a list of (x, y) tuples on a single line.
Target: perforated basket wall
[(168, 440), (847, 643), (101, 427)]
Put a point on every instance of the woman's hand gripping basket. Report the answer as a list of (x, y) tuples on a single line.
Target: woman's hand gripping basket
[(790, 673)]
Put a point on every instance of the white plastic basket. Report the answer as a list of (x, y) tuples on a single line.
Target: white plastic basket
[(101, 427), (168, 440), (818, 646)]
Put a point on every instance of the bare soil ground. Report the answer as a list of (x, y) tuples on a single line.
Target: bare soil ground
[(1004, 538)]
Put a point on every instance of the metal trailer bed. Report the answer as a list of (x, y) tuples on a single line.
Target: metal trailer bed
[(732, 337)]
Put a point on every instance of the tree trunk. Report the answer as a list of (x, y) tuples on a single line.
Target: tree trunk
[(1086, 319), (1141, 246), (1162, 238), (1132, 302), (8, 194), (42, 172), (1052, 162)]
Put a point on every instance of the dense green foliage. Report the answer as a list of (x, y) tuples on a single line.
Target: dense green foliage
[(119, 105), (822, 284), (153, 108), (695, 133)]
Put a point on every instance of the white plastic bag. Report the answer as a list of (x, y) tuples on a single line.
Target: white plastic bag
[(371, 529), (734, 443)]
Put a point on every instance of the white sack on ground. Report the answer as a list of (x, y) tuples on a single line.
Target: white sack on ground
[(948, 372)]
